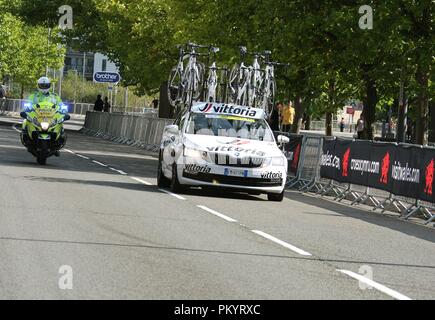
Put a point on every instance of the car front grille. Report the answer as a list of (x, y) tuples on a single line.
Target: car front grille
[(243, 162)]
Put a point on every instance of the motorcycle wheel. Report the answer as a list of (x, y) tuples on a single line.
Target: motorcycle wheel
[(42, 157)]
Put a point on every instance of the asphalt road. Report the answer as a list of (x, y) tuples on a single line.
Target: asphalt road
[(97, 211)]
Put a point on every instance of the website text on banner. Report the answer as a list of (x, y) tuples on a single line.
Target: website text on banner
[(399, 169)]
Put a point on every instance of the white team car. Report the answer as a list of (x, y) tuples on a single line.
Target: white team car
[(225, 146)]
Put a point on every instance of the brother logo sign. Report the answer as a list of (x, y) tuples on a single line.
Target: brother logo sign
[(106, 77)]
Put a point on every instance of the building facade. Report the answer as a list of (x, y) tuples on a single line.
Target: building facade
[(89, 62)]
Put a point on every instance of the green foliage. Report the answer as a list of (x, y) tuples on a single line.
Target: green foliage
[(26, 51), (331, 58)]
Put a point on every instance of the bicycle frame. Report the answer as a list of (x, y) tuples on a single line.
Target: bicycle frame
[(188, 77), (267, 95), (257, 81)]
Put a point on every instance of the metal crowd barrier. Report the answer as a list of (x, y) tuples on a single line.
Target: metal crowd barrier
[(136, 130), (16, 105), (308, 179)]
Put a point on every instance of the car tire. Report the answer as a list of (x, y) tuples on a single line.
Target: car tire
[(162, 181), (278, 197), (175, 185)]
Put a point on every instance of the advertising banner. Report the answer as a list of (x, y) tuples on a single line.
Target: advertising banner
[(292, 151), (405, 171), (381, 155), (427, 168), (399, 169)]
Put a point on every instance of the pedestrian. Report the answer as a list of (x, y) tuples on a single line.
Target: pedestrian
[(360, 127), (409, 128), (274, 117), (155, 103), (342, 125), (287, 116), (99, 104), (106, 106)]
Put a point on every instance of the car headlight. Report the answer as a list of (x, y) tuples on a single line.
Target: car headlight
[(278, 161), (196, 154)]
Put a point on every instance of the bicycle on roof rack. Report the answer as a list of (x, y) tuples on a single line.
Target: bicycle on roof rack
[(215, 85), (245, 82), (185, 80), (267, 92)]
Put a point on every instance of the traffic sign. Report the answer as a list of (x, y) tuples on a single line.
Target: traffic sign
[(106, 77), (350, 110)]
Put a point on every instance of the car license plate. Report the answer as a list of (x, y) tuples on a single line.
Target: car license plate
[(235, 172)]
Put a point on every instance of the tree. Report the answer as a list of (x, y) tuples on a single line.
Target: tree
[(26, 51)]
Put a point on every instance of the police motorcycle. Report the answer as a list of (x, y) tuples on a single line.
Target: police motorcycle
[(42, 130)]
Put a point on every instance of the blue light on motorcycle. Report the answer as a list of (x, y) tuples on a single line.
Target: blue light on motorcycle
[(27, 105), (63, 107)]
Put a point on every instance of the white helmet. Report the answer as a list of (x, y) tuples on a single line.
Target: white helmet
[(44, 84)]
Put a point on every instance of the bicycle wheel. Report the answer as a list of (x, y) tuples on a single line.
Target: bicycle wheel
[(175, 87), (211, 89), (233, 84), (221, 89), (194, 84), (268, 98), (198, 82), (243, 95), (190, 93)]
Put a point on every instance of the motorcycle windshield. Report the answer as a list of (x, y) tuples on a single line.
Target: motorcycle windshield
[(45, 112)]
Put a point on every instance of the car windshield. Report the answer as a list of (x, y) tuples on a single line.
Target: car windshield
[(229, 126)]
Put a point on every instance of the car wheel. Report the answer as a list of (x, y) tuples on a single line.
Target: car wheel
[(175, 184), (162, 181), (275, 196)]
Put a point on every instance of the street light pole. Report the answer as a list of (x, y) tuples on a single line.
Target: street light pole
[(84, 79), (75, 87), (48, 45)]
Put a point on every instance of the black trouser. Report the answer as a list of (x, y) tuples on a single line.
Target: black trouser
[(286, 127), (360, 134)]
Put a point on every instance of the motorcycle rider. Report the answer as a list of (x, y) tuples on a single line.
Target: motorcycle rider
[(43, 94)]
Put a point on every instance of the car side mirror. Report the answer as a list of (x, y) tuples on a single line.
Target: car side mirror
[(282, 139), (66, 117), (23, 115), (172, 129)]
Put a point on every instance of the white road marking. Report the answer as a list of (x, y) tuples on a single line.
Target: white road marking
[(142, 181), (376, 285), (84, 157), (220, 215), (70, 151), (99, 163), (282, 243), (119, 171), (173, 194)]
